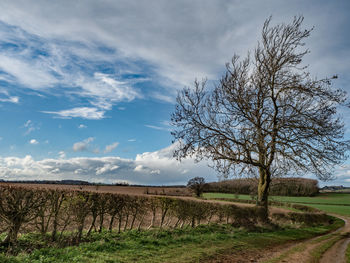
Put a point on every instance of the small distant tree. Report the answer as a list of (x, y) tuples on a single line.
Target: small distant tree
[(197, 185), (267, 116)]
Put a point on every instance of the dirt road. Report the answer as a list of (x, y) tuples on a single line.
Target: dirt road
[(310, 250)]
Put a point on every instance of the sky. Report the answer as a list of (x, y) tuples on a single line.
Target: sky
[(87, 88)]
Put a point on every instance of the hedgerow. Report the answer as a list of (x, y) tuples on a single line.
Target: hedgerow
[(69, 217)]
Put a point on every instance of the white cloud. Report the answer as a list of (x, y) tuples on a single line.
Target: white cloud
[(62, 154), (139, 168), (163, 97), (153, 168), (181, 49), (104, 91), (35, 76), (156, 168), (83, 145), (79, 112), (160, 128), (12, 99), (132, 140), (82, 126), (106, 168), (33, 141), (157, 171), (111, 147), (197, 45)]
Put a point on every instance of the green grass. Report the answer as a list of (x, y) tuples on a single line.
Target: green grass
[(317, 253), (338, 203), (347, 254), (180, 245)]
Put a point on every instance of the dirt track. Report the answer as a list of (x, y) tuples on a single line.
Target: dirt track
[(301, 252), (337, 252)]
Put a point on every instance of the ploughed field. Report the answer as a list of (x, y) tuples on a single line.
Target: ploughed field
[(130, 190)]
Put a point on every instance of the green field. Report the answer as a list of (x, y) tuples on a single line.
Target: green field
[(177, 245), (338, 203)]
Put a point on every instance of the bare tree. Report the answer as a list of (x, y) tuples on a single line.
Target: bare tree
[(266, 116), (197, 185)]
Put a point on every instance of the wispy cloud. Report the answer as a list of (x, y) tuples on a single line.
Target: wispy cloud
[(5, 96), (79, 112), (30, 127), (164, 126), (111, 147), (160, 128), (12, 99), (198, 45), (62, 68), (82, 126), (27, 73), (163, 97)]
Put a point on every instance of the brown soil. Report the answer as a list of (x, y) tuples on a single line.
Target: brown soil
[(131, 190)]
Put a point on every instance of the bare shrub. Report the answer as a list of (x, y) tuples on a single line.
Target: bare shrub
[(18, 206)]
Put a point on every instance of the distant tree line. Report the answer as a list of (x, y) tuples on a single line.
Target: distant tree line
[(279, 186)]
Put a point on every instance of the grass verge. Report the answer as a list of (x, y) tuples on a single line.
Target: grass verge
[(178, 245), (347, 254)]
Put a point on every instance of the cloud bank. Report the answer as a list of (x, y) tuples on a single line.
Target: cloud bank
[(153, 168)]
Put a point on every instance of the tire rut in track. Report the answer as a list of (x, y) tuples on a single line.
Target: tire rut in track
[(337, 252), (301, 252)]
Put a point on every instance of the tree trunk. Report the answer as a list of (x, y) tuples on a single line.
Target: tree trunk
[(140, 223), (111, 223), (94, 216), (153, 219), (119, 223), (80, 231), (263, 192), (133, 221), (101, 222), (126, 221), (12, 235)]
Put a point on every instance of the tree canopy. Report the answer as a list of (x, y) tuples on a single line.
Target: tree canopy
[(197, 185), (267, 116)]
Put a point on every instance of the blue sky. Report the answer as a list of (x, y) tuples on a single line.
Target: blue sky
[(87, 87)]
